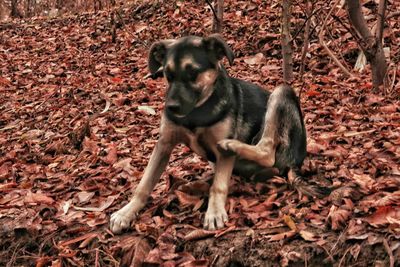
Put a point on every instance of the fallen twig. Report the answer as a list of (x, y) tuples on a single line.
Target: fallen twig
[(389, 251)]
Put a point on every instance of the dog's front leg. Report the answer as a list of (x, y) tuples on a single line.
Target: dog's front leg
[(122, 218), (216, 214)]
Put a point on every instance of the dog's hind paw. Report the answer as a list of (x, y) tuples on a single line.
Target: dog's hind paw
[(120, 220), (229, 145)]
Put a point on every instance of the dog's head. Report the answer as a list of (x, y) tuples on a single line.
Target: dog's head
[(190, 66)]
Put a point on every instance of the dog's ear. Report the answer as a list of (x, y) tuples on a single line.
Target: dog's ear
[(219, 47), (157, 54)]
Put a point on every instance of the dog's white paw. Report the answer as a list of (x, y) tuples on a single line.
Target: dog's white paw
[(215, 218), (121, 220)]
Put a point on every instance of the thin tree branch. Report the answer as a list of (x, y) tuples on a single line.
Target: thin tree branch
[(213, 10), (309, 8), (322, 42), (305, 23), (350, 30)]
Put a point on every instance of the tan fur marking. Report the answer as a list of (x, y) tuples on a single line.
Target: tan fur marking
[(188, 60), (170, 64), (205, 83), (212, 135), (196, 41), (209, 137)]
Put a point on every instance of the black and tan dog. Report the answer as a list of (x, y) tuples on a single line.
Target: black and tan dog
[(236, 124)]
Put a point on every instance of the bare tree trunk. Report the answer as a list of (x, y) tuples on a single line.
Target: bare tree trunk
[(14, 9), (371, 45), (27, 8), (59, 4), (218, 20), (97, 5), (113, 28), (30, 8), (285, 41)]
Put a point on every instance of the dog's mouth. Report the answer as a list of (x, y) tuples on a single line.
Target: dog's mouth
[(177, 112), (180, 116)]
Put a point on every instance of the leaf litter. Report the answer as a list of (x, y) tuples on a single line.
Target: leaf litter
[(78, 123)]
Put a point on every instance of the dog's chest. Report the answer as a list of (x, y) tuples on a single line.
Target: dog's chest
[(203, 140)]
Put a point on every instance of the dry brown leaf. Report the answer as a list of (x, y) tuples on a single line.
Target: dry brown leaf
[(281, 236), (187, 200), (84, 197), (338, 217), (364, 181), (107, 203), (42, 261), (315, 148), (199, 234), (308, 236), (289, 222), (195, 263), (112, 155), (225, 231), (255, 60), (38, 198), (384, 215), (343, 192), (134, 250), (124, 164)]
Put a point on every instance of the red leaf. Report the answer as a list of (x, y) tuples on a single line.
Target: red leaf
[(112, 156), (312, 93), (185, 199), (116, 80), (38, 198), (385, 215)]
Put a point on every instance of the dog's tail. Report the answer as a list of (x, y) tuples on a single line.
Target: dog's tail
[(305, 187)]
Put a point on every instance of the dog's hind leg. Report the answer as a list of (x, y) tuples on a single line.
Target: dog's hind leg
[(263, 153)]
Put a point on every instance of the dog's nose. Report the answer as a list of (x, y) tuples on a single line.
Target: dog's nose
[(173, 106)]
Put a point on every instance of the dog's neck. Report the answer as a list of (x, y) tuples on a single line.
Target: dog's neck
[(213, 110)]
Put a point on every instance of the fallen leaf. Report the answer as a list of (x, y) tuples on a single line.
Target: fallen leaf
[(281, 236), (308, 236), (185, 199), (384, 215), (255, 60), (103, 206), (112, 155), (147, 109), (135, 253), (198, 234), (289, 222), (38, 198), (338, 217)]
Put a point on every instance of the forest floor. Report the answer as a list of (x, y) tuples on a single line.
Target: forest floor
[(78, 122)]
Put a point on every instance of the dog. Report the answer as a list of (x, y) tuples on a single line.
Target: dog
[(241, 127)]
